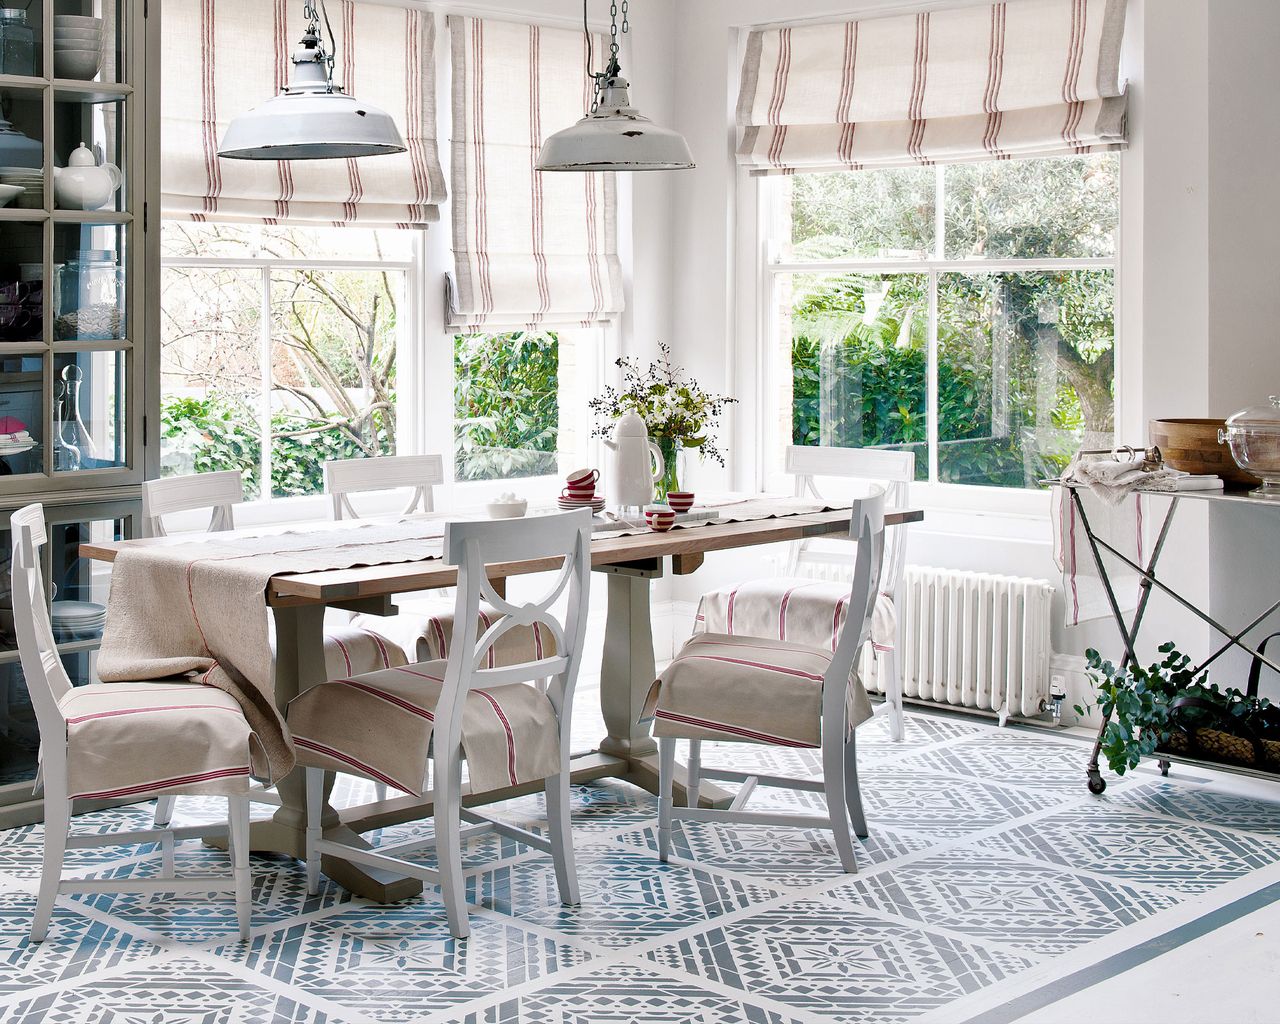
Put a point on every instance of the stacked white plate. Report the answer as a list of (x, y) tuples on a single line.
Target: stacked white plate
[(77, 46), (16, 444), (596, 504), (78, 620), (30, 180)]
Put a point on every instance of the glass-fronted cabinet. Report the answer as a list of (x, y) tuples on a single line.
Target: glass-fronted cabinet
[(71, 212)]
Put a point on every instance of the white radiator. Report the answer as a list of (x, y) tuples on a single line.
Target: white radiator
[(975, 640)]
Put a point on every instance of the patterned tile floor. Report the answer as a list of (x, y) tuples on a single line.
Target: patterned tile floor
[(989, 873)]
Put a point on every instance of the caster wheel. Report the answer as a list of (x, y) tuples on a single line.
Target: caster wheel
[(1164, 768), (1097, 784)]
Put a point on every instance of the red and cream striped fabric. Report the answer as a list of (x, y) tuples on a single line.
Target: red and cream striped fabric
[(799, 610), (352, 649), (530, 250), (168, 736), (1020, 78), (748, 690), (425, 636), (379, 725), (237, 55)]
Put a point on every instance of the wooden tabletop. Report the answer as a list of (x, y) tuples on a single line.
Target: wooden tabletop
[(686, 546)]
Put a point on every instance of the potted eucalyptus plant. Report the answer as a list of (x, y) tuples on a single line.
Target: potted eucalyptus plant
[(680, 415)]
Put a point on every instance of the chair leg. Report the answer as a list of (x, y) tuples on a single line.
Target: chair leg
[(666, 784), (57, 822), (164, 810), (238, 845), (834, 790), (852, 794), (893, 695), (315, 808), (448, 806), (561, 833), (695, 773)]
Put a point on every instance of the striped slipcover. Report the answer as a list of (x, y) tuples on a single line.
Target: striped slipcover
[(166, 736), (425, 636), (379, 725), (746, 690), (350, 649)]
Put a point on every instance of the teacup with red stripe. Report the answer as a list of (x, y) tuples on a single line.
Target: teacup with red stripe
[(681, 501), (660, 518), (581, 484)]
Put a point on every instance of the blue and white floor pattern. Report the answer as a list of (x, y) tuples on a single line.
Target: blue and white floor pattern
[(990, 875)]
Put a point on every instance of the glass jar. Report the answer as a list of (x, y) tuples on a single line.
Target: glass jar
[(90, 296), (1254, 437), (17, 43)]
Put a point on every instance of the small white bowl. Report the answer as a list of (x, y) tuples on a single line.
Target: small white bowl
[(507, 509), (78, 21), (8, 192), (80, 65)]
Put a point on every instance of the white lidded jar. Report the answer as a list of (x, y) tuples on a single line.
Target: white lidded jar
[(1254, 437), (635, 466)]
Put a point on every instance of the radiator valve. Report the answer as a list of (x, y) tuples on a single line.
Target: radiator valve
[(1057, 695)]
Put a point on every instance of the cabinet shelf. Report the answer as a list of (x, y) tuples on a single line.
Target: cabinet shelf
[(66, 90)]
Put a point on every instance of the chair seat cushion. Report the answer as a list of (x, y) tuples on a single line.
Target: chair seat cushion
[(380, 725), (805, 611), (746, 689), (165, 736), (425, 631), (353, 648)]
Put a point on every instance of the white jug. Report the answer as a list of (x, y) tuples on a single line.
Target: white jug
[(637, 463)]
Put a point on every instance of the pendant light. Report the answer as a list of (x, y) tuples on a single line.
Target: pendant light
[(312, 119), (614, 136)]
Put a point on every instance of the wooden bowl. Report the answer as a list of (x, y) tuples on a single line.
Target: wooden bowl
[(1191, 445)]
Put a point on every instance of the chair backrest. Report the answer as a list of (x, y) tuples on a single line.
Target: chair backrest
[(46, 678), (561, 538), (866, 528), (344, 477), (890, 470), (217, 492)]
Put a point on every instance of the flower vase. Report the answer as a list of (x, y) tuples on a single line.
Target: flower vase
[(671, 453)]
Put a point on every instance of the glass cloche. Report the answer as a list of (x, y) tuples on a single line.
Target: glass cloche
[(1254, 437)]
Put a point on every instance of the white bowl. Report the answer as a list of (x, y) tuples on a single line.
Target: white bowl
[(9, 192), (74, 39), (507, 509), (77, 21), (81, 65)]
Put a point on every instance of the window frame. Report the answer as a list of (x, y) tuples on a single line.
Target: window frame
[(769, 268)]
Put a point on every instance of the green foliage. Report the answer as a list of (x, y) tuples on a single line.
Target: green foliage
[(506, 405)]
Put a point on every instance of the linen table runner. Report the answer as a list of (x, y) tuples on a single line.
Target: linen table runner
[(202, 608), (734, 508)]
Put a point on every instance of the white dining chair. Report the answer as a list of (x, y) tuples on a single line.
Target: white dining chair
[(807, 601), (406, 725), (742, 689), (348, 646), (124, 740)]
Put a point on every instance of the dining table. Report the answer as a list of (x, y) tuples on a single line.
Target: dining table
[(629, 561)]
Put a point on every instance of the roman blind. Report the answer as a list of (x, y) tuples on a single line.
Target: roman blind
[(226, 56), (1024, 78), (531, 250)]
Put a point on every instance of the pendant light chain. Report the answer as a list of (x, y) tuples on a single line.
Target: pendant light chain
[(313, 16), (614, 67)]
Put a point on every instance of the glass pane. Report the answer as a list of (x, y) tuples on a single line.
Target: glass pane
[(89, 282), (90, 411), (885, 214), (1025, 373), (506, 405), (332, 372), (22, 149), (88, 141), (80, 585), (22, 282), (859, 361), (21, 52), (21, 748), (22, 407), (88, 40), (211, 372), (1025, 209), (184, 240)]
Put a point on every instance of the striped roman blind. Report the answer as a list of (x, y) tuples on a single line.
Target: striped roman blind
[(530, 250), (1023, 78), (223, 57)]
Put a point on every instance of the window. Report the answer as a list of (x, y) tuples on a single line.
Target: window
[(963, 312), (283, 348)]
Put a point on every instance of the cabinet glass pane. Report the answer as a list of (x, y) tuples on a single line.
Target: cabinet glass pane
[(22, 148), (89, 416), (21, 746), (88, 40), (22, 417), (89, 289), (22, 288), (88, 145), (21, 32)]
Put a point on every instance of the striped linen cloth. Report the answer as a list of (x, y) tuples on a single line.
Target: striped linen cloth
[(238, 56), (426, 636), (747, 690), (380, 724), (531, 250), (170, 736), (1023, 78)]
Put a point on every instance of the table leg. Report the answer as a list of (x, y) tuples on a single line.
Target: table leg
[(299, 664), (627, 671)]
